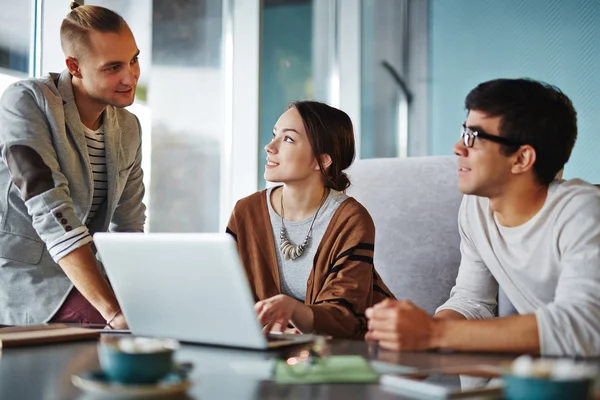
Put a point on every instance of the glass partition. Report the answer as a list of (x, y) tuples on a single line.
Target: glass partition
[(180, 96), (15, 41)]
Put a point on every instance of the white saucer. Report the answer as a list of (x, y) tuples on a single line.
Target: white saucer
[(97, 383)]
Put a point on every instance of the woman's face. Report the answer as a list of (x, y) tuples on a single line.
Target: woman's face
[(289, 154)]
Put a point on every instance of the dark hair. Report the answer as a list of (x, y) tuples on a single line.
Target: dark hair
[(76, 27), (533, 113), (329, 131)]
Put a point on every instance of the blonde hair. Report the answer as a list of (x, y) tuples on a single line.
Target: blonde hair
[(76, 27)]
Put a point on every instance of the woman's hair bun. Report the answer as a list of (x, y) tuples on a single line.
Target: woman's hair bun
[(340, 182), (74, 5)]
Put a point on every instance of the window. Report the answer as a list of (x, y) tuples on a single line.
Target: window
[(180, 105), (15, 39)]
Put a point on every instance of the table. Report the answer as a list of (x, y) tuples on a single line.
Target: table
[(44, 372)]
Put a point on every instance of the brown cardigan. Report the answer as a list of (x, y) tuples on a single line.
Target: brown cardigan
[(343, 282)]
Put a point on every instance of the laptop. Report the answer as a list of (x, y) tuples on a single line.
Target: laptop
[(187, 286)]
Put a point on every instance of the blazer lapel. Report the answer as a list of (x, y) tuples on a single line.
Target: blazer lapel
[(112, 140), (112, 144), (74, 127)]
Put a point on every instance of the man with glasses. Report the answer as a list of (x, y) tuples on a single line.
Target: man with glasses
[(535, 236)]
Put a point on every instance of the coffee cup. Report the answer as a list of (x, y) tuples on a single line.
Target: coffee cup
[(136, 360)]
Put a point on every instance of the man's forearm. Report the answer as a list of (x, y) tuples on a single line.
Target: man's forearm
[(449, 314), (80, 267), (514, 334)]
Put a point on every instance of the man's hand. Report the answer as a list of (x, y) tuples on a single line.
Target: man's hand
[(278, 310), (119, 322), (401, 325)]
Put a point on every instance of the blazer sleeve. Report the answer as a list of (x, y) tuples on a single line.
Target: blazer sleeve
[(350, 280), (27, 150), (130, 213)]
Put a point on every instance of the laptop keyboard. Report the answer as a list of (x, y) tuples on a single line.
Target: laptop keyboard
[(276, 337)]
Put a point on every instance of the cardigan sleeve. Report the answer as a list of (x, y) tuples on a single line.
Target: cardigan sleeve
[(350, 283), (231, 225), (254, 244)]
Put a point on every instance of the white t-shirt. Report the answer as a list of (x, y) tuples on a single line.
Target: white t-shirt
[(549, 266)]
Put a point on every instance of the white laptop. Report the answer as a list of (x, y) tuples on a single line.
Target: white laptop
[(190, 287)]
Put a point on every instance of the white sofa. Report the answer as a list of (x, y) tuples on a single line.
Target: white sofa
[(414, 203)]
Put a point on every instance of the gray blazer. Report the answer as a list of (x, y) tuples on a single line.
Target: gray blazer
[(46, 190)]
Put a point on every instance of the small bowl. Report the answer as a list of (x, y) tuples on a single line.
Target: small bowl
[(136, 360), (528, 388)]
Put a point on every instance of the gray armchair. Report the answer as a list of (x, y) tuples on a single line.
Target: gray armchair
[(414, 203)]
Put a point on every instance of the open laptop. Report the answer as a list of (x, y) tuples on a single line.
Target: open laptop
[(191, 287)]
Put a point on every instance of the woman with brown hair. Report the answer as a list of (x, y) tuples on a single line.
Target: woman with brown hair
[(307, 247)]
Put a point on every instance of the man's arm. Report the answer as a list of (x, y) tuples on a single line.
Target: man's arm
[(474, 294), (449, 314), (27, 149), (80, 266), (570, 324), (514, 334), (567, 326), (401, 325)]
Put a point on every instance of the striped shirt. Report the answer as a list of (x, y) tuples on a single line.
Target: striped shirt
[(97, 153), (80, 236)]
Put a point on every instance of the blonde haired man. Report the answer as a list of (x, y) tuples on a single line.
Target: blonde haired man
[(71, 166)]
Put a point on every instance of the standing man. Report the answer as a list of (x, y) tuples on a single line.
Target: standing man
[(71, 166), (522, 229)]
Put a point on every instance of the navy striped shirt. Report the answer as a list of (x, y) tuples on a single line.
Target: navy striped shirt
[(97, 153)]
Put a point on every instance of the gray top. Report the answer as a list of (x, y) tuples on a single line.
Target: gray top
[(294, 273), (549, 266)]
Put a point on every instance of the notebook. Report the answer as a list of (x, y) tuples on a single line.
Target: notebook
[(41, 334)]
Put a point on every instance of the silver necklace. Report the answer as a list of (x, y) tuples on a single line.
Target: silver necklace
[(287, 248)]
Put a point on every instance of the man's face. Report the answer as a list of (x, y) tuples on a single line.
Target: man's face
[(482, 169), (110, 69)]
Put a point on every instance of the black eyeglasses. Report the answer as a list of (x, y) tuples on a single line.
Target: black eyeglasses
[(469, 135)]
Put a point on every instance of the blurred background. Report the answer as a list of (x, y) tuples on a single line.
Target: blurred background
[(216, 75)]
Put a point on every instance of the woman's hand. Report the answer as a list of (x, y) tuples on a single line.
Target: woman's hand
[(276, 312)]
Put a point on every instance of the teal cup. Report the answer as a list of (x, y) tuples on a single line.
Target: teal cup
[(531, 388), (135, 360)]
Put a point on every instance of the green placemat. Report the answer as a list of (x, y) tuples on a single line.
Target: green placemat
[(333, 369)]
